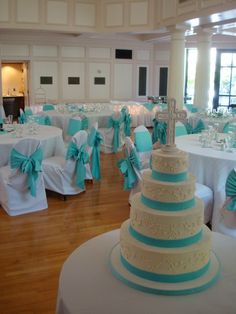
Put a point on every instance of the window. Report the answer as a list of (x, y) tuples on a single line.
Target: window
[(191, 61), (225, 79), (142, 81), (123, 54)]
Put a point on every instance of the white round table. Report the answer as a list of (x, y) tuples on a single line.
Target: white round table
[(210, 166), (50, 137), (87, 286)]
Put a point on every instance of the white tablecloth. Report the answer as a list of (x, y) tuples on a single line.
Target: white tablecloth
[(210, 167), (50, 137), (87, 285)]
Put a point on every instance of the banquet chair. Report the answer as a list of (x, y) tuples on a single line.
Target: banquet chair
[(2, 112), (22, 187), (229, 127), (227, 223), (200, 126), (22, 118), (143, 144), (206, 195), (113, 135), (66, 175), (130, 168), (28, 111), (94, 143)]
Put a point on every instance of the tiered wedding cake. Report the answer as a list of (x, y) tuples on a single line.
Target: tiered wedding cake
[(164, 247)]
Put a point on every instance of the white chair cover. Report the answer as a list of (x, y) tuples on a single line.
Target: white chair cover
[(108, 134), (15, 196), (129, 146), (206, 194), (144, 149), (2, 112), (59, 173)]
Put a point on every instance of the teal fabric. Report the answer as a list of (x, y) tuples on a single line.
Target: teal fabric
[(143, 141), (47, 120), (191, 108), (42, 120), (74, 126), (81, 157), (159, 131), (198, 128), (230, 190), (229, 127), (84, 123), (31, 165), (48, 107), (115, 124), (22, 118), (1, 120), (126, 167), (94, 140), (149, 105), (28, 111), (126, 118), (169, 177), (180, 130)]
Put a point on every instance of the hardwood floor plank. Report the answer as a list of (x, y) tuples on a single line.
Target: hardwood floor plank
[(35, 246)]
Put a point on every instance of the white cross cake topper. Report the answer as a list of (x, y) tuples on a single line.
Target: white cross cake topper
[(171, 116)]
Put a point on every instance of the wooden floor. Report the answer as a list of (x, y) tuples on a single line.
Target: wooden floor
[(33, 247)]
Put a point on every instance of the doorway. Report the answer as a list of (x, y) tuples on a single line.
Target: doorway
[(14, 75)]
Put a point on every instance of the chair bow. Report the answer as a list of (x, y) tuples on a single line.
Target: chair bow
[(230, 190), (31, 165), (126, 167), (127, 124), (84, 123), (115, 124), (81, 157), (198, 128), (159, 131), (94, 141)]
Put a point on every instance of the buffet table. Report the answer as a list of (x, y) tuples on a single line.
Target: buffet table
[(87, 286), (50, 137), (210, 166)]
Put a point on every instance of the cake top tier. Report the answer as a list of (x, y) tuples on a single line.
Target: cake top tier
[(170, 160)]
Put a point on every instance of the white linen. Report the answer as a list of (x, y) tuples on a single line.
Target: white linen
[(210, 167), (87, 285), (50, 137)]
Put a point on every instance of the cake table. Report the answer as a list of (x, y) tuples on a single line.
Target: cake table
[(87, 285)]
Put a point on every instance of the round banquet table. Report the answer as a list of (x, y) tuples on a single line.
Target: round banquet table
[(211, 167), (87, 286), (50, 137)]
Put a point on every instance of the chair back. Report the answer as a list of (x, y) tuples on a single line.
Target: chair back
[(2, 112), (197, 129), (94, 142), (180, 129), (142, 139), (25, 161), (126, 117), (115, 122), (77, 157), (74, 125), (22, 118), (28, 111)]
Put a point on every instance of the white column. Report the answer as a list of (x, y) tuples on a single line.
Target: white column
[(176, 67), (202, 78)]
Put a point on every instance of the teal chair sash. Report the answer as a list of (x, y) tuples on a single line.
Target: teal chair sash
[(31, 165), (198, 128), (159, 131), (94, 140), (28, 111), (126, 167), (22, 118), (47, 120), (84, 123), (127, 123), (115, 124), (74, 126), (230, 190), (191, 108), (180, 130), (48, 107), (81, 157), (143, 141)]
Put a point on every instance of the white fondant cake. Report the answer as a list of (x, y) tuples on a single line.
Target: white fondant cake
[(165, 240)]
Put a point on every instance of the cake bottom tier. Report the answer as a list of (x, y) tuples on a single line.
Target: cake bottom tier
[(165, 264)]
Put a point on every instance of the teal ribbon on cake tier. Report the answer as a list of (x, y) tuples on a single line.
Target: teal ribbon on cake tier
[(167, 206), (169, 177), (165, 243), (164, 277)]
